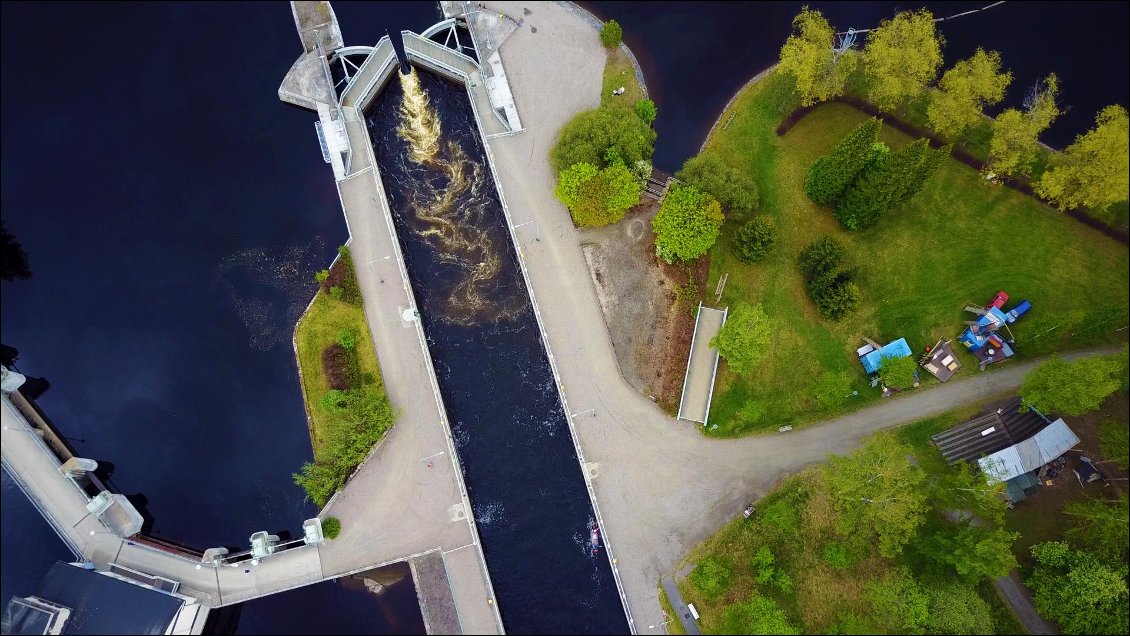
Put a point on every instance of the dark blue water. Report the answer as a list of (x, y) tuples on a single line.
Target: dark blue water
[(696, 55), (522, 473), (174, 211)]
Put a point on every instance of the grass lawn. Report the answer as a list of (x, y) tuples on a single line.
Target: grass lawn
[(317, 329), (618, 71), (956, 243)]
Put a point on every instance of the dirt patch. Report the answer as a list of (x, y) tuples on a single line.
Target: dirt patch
[(647, 304)]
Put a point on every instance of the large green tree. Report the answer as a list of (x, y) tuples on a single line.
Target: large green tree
[(973, 551), (1016, 134), (888, 183), (589, 136), (1078, 591), (1094, 171), (878, 493), (759, 615), (965, 90), (1072, 388), (745, 338), (822, 255), (755, 238), (898, 602), (687, 224), (1100, 526), (829, 176), (809, 56), (733, 188), (901, 58), (597, 197), (954, 608)]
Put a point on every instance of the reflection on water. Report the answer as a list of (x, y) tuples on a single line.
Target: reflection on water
[(449, 194)]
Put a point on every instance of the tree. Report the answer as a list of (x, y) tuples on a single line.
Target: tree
[(687, 224), (898, 601), (964, 92), (755, 239), (832, 388), (891, 181), (829, 176), (877, 493), (835, 293), (966, 489), (1102, 527), (569, 182), (611, 34), (733, 188), (975, 552), (809, 57), (588, 137), (897, 372), (822, 255), (13, 258), (953, 608), (1012, 148), (744, 340), (1078, 591), (1114, 441), (1071, 388), (758, 615), (1094, 171), (901, 57), (597, 197), (646, 110)]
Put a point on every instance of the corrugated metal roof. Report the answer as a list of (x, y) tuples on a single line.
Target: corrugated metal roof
[(1051, 442), (966, 442)]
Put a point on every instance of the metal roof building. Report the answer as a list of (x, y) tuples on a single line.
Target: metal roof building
[(989, 433)]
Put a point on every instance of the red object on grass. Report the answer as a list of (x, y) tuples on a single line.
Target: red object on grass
[(999, 300)]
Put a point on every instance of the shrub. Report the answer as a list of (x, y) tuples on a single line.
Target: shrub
[(331, 527), (755, 239), (321, 275), (832, 388), (1072, 388), (712, 577), (822, 255), (957, 609), (733, 188), (335, 401), (588, 137), (646, 110), (336, 365), (687, 224), (343, 276), (759, 615), (1114, 442), (611, 34), (835, 293), (569, 182), (347, 338), (837, 555), (782, 516)]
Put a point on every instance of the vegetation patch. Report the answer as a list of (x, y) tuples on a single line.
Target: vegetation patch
[(331, 527), (341, 380)]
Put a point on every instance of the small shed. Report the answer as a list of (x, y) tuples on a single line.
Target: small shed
[(1018, 460), (941, 362), (871, 358)]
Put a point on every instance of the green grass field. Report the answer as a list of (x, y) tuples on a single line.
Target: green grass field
[(957, 242), (618, 71), (317, 329)]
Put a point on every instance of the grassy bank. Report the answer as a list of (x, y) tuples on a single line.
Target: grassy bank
[(956, 243), (348, 409), (618, 71)]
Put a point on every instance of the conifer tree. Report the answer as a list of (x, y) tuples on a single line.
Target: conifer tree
[(829, 176), (889, 183)]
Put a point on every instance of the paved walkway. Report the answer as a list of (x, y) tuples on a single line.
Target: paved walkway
[(662, 487), (1014, 592), (680, 606), (698, 385)]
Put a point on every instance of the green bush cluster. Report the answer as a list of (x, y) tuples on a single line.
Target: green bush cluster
[(754, 240), (834, 290), (687, 225), (897, 372), (362, 416), (733, 188), (598, 197), (713, 576), (340, 281), (745, 338), (588, 137)]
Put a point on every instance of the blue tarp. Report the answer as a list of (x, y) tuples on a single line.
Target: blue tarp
[(896, 349)]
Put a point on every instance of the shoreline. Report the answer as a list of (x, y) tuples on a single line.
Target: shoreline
[(753, 80), (597, 23)]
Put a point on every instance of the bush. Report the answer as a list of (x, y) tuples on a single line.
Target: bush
[(337, 365), (646, 110), (957, 609), (687, 224), (759, 615), (838, 556), (588, 137), (335, 401), (331, 527), (611, 34), (822, 255), (347, 339), (733, 188), (342, 276), (1072, 388), (712, 577), (604, 198), (321, 275), (755, 239), (744, 340), (833, 388), (569, 182), (897, 373), (1114, 442), (835, 293)]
